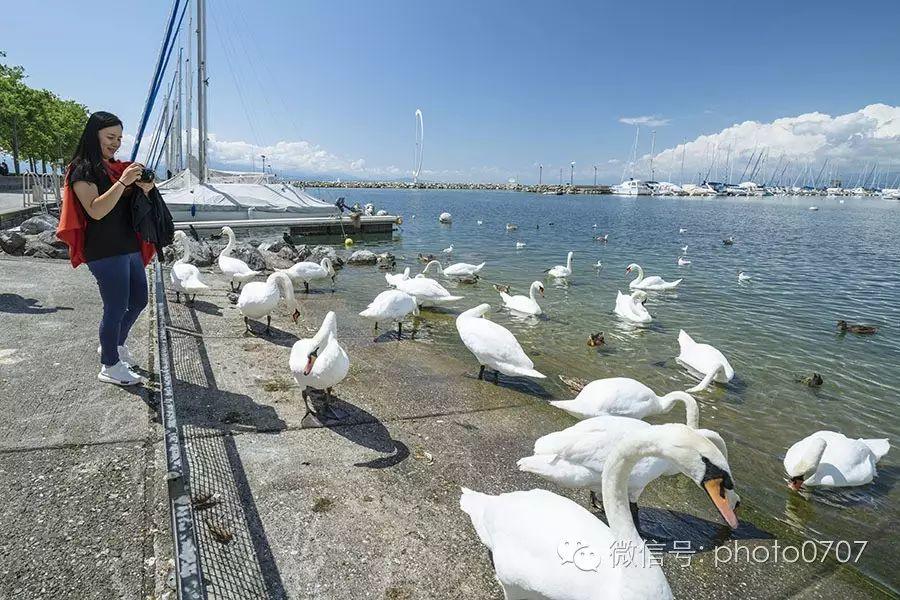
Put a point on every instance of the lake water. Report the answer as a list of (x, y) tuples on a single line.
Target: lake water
[(808, 268)]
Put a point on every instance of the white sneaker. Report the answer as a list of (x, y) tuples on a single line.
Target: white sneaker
[(118, 374), (125, 355)]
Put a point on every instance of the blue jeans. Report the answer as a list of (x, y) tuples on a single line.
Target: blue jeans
[(123, 288)]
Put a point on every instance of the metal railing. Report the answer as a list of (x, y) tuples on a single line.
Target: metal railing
[(188, 572), (39, 188)]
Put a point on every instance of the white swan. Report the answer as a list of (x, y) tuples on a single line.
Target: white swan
[(319, 362), (185, 277), (306, 271), (560, 271), (493, 345), (511, 227), (445, 217), (626, 397), (703, 362), (831, 459), (575, 457), (681, 230), (520, 245), (426, 291), (454, 270), (536, 536), (448, 250), (234, 268), (742, 277), (393, 278), (682, 261), (631, 308), (652, 283), (684, 249), (259, 298), (391, 305), (524, 304)]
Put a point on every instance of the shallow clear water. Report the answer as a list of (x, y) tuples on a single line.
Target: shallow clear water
[(808, 268)]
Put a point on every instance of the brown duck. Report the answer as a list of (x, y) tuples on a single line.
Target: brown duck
[(860, 329)]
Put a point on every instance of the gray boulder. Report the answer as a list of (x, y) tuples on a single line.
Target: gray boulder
[(320, 252), (287, 253), (202, 254), (12, 242), (38, 249), (275, 260), (49, 238), (249, 255), (362, 257), (38, 224)]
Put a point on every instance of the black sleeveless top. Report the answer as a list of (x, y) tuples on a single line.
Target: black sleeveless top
[(114, 234)]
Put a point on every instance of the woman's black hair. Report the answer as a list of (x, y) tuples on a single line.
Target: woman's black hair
[(87, 154)]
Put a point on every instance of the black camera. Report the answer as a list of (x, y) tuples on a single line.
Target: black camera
[(147, 176)]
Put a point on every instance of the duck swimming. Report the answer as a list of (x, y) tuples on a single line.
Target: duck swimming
[(860, 329)]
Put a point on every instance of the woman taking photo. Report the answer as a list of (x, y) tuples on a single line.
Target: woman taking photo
[(96, 223)]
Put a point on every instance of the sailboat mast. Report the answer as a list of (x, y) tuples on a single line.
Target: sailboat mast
[(176, 130), (201, 87), (683, 150), (652, 147)]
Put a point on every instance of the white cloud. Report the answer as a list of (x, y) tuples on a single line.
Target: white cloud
[(649, 120), (849, 141)]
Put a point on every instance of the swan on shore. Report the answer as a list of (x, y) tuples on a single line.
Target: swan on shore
[(562, 271), (185, 277), (652, 283), (306, 271), (391, 305), (831, 459), (319, 362), (529, 532), (703, 362), (259, 298), (527, 305), (631, 308), (493, 345), (234, 268)]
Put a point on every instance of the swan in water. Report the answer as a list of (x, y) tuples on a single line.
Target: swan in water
[(454, 270), (653, 283), (426, 291), (511, 226), (493, 345), (831, 459), (524, 304), (560, 271), (599, 265), (575, 457), (391, 305), (528, 532), (684, 249), (703, 362), (631, 308), (306, 271), (319, 362), (259, 298), (742, 277), (625, 397), (394, 278), (682, 261), (448, 250), (234, 268), (479, 222), (520, 245), (681, 230), (185, 276)]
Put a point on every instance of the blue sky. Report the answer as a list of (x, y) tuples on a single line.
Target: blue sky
[(503, 85)]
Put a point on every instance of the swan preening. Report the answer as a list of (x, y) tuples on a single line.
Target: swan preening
[(631, 308), (319, 362), (259, 298), (831, 459), (652, 283), (560, 271), (391, 305), (394, 278), (527, 305), (454, 270), (526, 531), (185, 277), (306, 271), (493, 345), (234, 268), (703, 362), (627, 398)]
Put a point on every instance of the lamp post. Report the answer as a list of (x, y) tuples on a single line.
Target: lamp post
[(572, 174), (263, 157), (540, 174), (560, 177), (595, 175)]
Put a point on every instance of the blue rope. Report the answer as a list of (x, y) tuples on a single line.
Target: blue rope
[(161, 62)]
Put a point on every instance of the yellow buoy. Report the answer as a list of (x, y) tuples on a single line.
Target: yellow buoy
[(399, 220), (348, 242)]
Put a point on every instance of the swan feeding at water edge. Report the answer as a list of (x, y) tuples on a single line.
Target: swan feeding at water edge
[(493, 345), (391, 305), (703, 362), (831, 459)]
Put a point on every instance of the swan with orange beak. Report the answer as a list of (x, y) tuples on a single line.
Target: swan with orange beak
[(319, 363)]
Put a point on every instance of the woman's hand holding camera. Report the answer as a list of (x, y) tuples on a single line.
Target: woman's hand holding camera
[(131, 174)]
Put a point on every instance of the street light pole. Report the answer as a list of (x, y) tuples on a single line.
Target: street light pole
[(595, 175), (540, 174), (572, 174)]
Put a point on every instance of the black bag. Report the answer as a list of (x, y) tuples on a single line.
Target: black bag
[(152, 219)]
